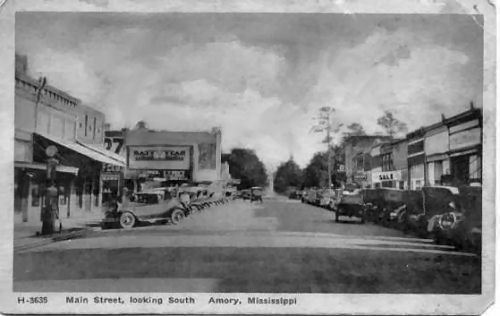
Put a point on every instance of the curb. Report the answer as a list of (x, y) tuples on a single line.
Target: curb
[(76, 233)]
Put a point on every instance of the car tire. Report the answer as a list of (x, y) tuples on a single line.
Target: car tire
[(127, 220), (177, 216)]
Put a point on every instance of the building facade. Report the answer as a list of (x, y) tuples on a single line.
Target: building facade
[(448, 152), (390, 166), (172, 158), (465, 147), (358, 158), (46, 116)]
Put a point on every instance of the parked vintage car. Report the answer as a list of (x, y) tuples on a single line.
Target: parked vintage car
[(411, 217), (394, 203), (461, 224), (312, 196), (158, 205), (350, 204), (326, 197), (439, 200), (295, 195), (256, 194), (245, 194)]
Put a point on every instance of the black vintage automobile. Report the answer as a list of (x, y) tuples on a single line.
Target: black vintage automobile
[(256, 194), (461, 224), (350, 204), (392, 205), (157, 205)]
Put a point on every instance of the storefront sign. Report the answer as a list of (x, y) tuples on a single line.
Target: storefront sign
[(115, 144), (360, 176), (161, 174), (110, 177), (159, 157), (386, 176), (109, 168), (175, 175), (465, 138), (437, 143)]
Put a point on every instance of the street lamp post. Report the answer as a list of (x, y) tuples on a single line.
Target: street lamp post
[(50, 211)]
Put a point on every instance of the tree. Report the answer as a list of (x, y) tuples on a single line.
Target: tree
[(391, 125), (287, 175), (355, 129), (246, 166), (316, 172), (325, 125)]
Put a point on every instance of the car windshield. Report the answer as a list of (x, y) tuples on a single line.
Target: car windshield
[(147, 198)]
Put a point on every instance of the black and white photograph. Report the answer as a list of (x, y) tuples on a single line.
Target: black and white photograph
[(236, 161)]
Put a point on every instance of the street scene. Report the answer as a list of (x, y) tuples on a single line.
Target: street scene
[(248, 153)]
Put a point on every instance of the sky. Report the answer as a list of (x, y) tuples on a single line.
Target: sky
[(260, 77)]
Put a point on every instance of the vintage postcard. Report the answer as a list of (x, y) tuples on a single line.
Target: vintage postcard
[(255, 157)]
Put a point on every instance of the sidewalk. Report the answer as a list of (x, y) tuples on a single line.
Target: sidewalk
[(27, 235)]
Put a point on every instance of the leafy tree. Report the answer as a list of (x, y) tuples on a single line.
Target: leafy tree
[(391, 125), (355, 129), (316, 172), (246, 166), (287, 175)]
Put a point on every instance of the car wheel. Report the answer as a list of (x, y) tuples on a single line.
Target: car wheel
[(177, 216), (127, 220)]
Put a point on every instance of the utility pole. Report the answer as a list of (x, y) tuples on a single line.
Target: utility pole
[(325, 125), (328, 143)]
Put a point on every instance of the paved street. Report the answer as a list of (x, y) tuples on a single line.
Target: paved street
[(277, 246)]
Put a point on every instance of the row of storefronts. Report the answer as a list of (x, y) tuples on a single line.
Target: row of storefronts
[(93, 163), (48, 117), (446, 153)]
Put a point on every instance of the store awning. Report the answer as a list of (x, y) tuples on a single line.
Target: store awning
[(92, 154), (42, 166), (104, 152)]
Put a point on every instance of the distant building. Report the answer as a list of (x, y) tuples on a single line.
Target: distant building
[(390, 164), (169, 157), (358, 158)]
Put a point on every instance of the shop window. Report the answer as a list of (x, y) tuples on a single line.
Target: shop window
[(62, 196), (401, 185), (475, 168), (418, 184), (35, 195)]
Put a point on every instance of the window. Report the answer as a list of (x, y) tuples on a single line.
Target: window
[(86, 123)]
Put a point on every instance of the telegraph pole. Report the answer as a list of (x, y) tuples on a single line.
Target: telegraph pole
[(328, 143)]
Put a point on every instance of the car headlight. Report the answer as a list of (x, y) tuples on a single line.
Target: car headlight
[(448, 220)]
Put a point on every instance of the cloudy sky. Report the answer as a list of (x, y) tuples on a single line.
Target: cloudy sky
[(260, 77)]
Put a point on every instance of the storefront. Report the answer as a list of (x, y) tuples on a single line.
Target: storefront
[(465, 137), (171, 158), (436, 146), (78, 179), (416, 160)]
